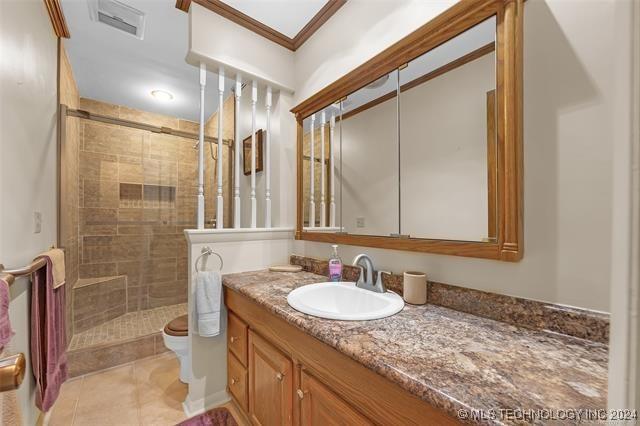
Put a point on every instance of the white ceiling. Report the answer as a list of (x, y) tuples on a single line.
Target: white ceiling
[(285, 16), (118, 68)]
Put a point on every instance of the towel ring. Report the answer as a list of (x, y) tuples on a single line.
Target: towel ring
[(206, 251)]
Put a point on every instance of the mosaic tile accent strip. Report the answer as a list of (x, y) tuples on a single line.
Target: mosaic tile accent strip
[(128, 326), (532, 314)]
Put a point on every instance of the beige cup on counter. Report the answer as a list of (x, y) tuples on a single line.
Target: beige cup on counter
[(415, 288)]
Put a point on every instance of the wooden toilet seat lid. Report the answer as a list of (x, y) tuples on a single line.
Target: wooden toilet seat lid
[(178, 326)]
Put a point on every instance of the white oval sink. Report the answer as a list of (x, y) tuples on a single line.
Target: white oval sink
[(344, 301)]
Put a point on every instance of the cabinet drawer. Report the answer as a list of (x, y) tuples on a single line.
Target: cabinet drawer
[(237, 381), (237, 338)]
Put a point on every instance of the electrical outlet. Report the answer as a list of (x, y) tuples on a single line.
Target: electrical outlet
[(37, 222), (360, 222)]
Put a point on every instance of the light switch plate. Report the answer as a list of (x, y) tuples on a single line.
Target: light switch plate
[(37, 222), (360, 222)]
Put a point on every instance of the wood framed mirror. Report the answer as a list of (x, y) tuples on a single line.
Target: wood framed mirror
[(420, 148)]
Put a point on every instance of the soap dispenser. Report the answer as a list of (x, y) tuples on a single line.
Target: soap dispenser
[(335, 265)]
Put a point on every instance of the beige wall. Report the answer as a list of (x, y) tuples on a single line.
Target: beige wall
[(28, 129), (572, 109)]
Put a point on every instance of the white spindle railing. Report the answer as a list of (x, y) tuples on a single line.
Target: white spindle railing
[(312, 174), (200, 214), (237, 142), (220, 198), (254, 99), (267, 166), (332, 187), (323, 205)]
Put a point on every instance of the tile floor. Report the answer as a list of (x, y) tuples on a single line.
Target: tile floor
[(144, 392), (128, 326)]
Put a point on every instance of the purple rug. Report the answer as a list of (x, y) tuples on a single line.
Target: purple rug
[(216, 417)]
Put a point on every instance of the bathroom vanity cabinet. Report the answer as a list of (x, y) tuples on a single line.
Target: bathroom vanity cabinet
[(280, 375)]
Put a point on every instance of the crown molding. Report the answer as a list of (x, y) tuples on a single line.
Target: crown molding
[(57, 18), (226, 11), (183, 5), (323, 15)]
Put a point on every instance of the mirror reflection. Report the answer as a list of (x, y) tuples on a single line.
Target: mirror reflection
[(321, 157), (370, 158), (414, 152), (448, 139)]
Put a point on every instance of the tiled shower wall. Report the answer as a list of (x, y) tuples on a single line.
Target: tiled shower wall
[(137, 193)]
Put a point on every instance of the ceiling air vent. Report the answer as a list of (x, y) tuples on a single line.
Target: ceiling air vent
[(118, 15)]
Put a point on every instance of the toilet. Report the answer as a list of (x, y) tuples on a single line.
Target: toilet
[(175, 335)]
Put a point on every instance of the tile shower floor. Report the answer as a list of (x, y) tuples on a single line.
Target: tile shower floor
[(128, 326)]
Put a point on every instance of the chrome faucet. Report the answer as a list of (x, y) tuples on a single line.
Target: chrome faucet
[(365, 280)]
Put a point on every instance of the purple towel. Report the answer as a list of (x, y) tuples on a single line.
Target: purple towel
[(48, 336), (5, 325)]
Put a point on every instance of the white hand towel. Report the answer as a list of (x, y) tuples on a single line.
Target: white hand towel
[(208, 300)]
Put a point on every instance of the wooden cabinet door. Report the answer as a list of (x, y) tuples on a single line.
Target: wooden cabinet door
[(270, 384), (321, 407)]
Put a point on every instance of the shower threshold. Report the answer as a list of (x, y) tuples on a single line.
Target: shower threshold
[(123, 339)]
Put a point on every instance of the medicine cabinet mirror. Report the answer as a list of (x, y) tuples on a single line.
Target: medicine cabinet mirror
[(420, 148)]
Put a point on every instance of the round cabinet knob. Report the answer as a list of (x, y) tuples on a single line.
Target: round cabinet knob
[(233, 339), (279, 376), (234, 381), (300, 394)]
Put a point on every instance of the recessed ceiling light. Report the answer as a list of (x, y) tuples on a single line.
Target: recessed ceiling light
[(162, 95)]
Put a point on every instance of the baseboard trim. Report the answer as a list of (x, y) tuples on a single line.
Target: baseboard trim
[(199, 406)]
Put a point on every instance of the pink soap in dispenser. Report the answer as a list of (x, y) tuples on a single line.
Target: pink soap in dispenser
[(335, 265)]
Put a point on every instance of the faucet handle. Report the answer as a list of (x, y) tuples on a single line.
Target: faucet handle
[(380, 283)]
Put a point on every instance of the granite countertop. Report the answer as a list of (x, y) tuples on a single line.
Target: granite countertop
[(452, 360)]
